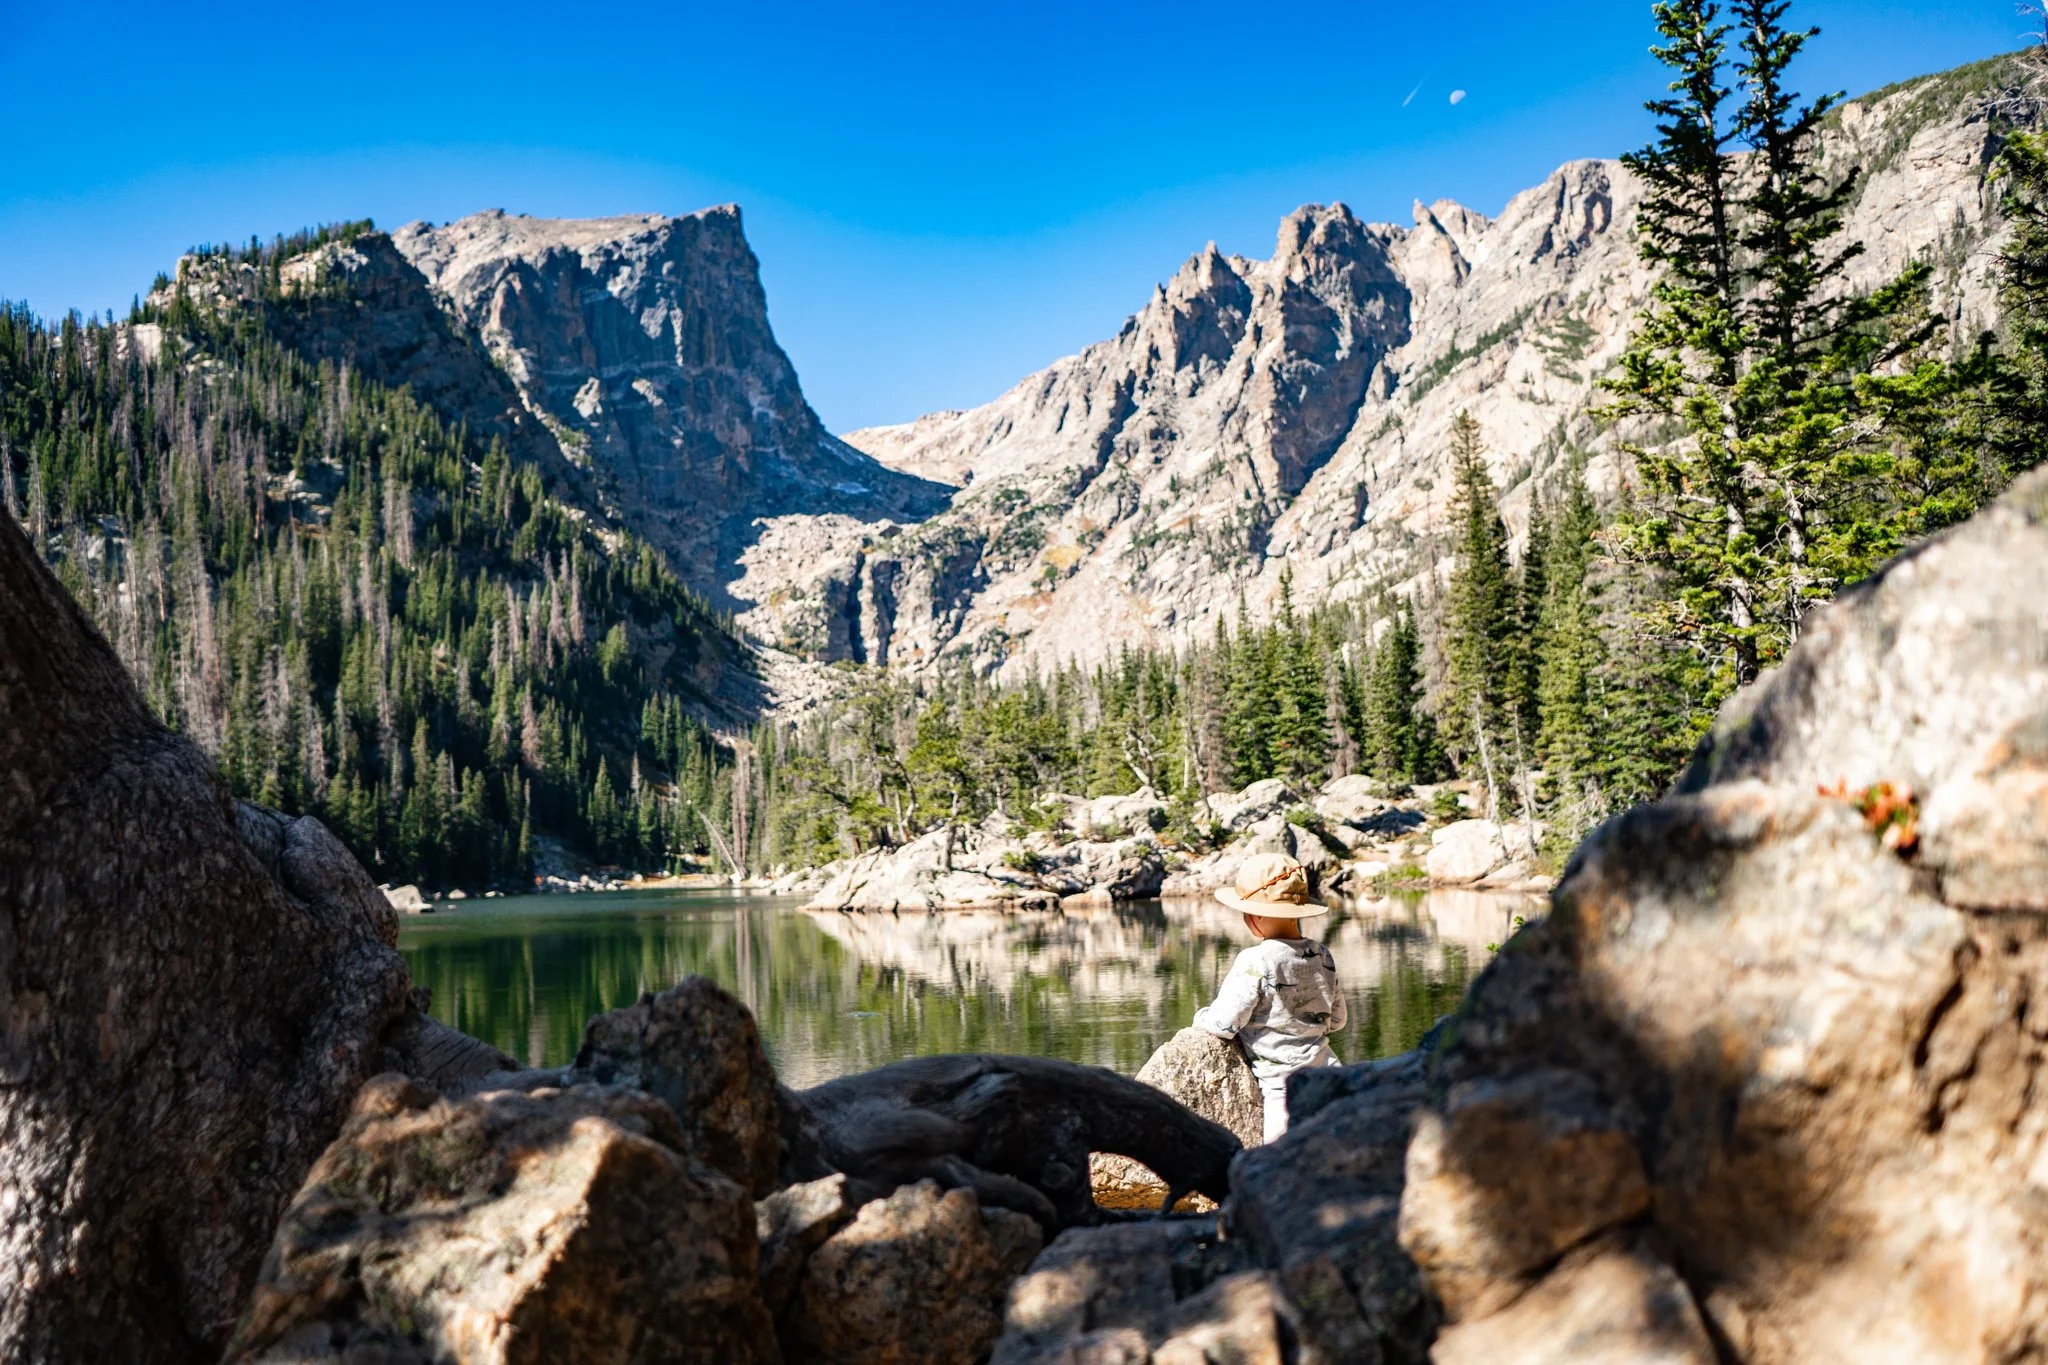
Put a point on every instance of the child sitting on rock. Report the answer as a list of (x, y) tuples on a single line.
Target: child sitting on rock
[(1280, 1000)]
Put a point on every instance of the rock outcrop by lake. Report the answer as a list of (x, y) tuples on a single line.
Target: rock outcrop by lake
[(1118, 848)]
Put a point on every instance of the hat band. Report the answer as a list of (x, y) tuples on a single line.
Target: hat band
[(1258, 893)]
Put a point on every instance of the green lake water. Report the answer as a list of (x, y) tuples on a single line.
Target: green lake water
[(838, 993)]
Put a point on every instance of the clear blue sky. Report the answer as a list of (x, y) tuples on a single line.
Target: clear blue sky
[(943, 197)]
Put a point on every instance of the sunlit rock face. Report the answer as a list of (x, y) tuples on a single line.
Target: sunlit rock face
[(1294, 412), (642, 344)]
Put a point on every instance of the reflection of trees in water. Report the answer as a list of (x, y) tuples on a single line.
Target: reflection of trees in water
[(838, 993)]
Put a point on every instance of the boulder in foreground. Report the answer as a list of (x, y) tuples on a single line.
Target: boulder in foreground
[(1801, 1009), (919, 1275), (191, 993), (558, 1226)]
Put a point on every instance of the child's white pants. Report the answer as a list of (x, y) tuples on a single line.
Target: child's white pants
[(1273, 1090)]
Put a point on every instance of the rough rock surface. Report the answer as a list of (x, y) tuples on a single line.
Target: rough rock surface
[(1823, 1045), (698, 1050), (642, 343), (438, 1056), (190, 994), (1168, 1291), (1612, 1302), (791, 1224), (919, 1275), (1211, 1077), (1321, 1206), (562, 1225), (1512, 1173)]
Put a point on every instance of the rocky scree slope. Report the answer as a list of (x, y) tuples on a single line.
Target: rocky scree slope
[(1293, 413)]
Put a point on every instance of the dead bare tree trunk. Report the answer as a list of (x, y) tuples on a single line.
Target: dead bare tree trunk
[(1486, 763), (190, 992), (1016, 1130)]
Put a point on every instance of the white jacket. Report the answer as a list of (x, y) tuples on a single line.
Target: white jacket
[(1279, 1001)]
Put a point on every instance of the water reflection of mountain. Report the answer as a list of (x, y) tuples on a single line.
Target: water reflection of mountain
[(838, 993)]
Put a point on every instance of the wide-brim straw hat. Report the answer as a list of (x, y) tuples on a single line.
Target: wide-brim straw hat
[(1274, 885)]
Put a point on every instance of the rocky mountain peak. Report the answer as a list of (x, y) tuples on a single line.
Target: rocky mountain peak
[(1294, 413), (642, 344)]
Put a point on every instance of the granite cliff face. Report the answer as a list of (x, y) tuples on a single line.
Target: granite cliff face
[(1294, 412), (642, 345)]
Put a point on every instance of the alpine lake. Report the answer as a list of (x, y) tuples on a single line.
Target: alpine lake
[(837, 993)]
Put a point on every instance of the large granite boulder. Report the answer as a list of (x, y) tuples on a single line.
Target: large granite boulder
[(698, 1050), (1237, 810), (1465, 851), (1805, 991), (561, 1225), (1210, 1076), (919, 1275), (191, 992)]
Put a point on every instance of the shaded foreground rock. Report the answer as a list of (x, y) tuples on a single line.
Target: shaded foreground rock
[(564, 1225), (1512, 1173), (1821, 1040), (1613, 1302), (191, 994), (1321, 1207), (919, 1275), (1169, 1291), (791, 1224)]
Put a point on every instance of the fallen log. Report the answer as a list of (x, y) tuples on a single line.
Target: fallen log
[(1017, 1131)]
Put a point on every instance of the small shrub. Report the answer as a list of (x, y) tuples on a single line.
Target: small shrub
[(1446, 806), (1021, 860), (1401, 877)]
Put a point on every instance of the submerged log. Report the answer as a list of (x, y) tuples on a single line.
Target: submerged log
[(1017, 1131), (190, 995)]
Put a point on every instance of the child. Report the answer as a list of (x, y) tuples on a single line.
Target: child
[(1281, 998)]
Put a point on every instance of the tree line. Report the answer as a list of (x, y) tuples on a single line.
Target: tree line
[(360, 611)]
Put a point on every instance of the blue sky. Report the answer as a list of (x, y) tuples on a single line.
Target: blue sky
[(943, 197)]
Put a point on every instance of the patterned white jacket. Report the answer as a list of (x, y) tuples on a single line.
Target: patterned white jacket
[(1279, 1001)]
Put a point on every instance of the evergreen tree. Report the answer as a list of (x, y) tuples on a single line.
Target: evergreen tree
[(2017, 436), (1300, 726), (1397, 744), (1780, 484), (1568, 733), (1480, 617)]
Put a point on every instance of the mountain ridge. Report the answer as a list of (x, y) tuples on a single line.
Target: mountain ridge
[(1133, 491)]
